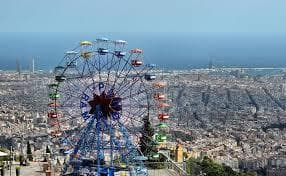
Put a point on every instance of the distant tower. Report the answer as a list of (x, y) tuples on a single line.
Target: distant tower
[(33, 66), (283, 89), (18, 67), (198, 77), (179, 153), (210, 64)]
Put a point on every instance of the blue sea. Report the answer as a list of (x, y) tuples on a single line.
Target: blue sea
[(169, 50)]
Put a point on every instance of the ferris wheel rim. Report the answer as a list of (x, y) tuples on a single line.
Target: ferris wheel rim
[(118, 92)]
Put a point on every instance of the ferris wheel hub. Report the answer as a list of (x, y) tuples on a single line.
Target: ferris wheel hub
[(108, 104)]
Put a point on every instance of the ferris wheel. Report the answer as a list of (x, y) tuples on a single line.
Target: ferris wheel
[(97, 104)]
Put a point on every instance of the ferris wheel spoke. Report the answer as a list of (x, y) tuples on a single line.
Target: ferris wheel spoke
[(117, 73), (129, 130), (145, 70), (71, 92), (66, 140), (68, 101), (123, 81), (138, 93), (123, 68), (68, 97), (80, 127), (139, 136), (91, 74), (136, 80), (82, 69), (75, 86), (104, 61), (69, 115), (127, 86), (73, 135), (93, 64), (135, 107), (99, 68), (80, 81), (135, 123), (140, 103), (124, 128), (83, 137), (110, 68), (131, 112)]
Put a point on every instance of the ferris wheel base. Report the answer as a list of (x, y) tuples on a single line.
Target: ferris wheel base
[(112, 172)]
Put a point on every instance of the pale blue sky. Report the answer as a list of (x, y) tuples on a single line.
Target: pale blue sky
[(219, 16)]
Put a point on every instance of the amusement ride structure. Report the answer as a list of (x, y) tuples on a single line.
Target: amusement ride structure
[(97, 103)]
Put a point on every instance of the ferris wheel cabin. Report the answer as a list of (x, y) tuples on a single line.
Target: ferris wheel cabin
[(150, 77), (119, 54), (163, 116), (160, 96), (60, 78), (102, 51), (85, 43), (136, 50), (136, 62)]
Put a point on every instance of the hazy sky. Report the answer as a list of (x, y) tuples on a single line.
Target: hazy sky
[(246, 16)]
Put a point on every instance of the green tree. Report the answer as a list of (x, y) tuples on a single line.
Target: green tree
[(146, 141), (3, 150), (228, 170), (29, 152), (21, 159), (193, 166), (210, 168), (18, 170), (4, 158), (48, 149)]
